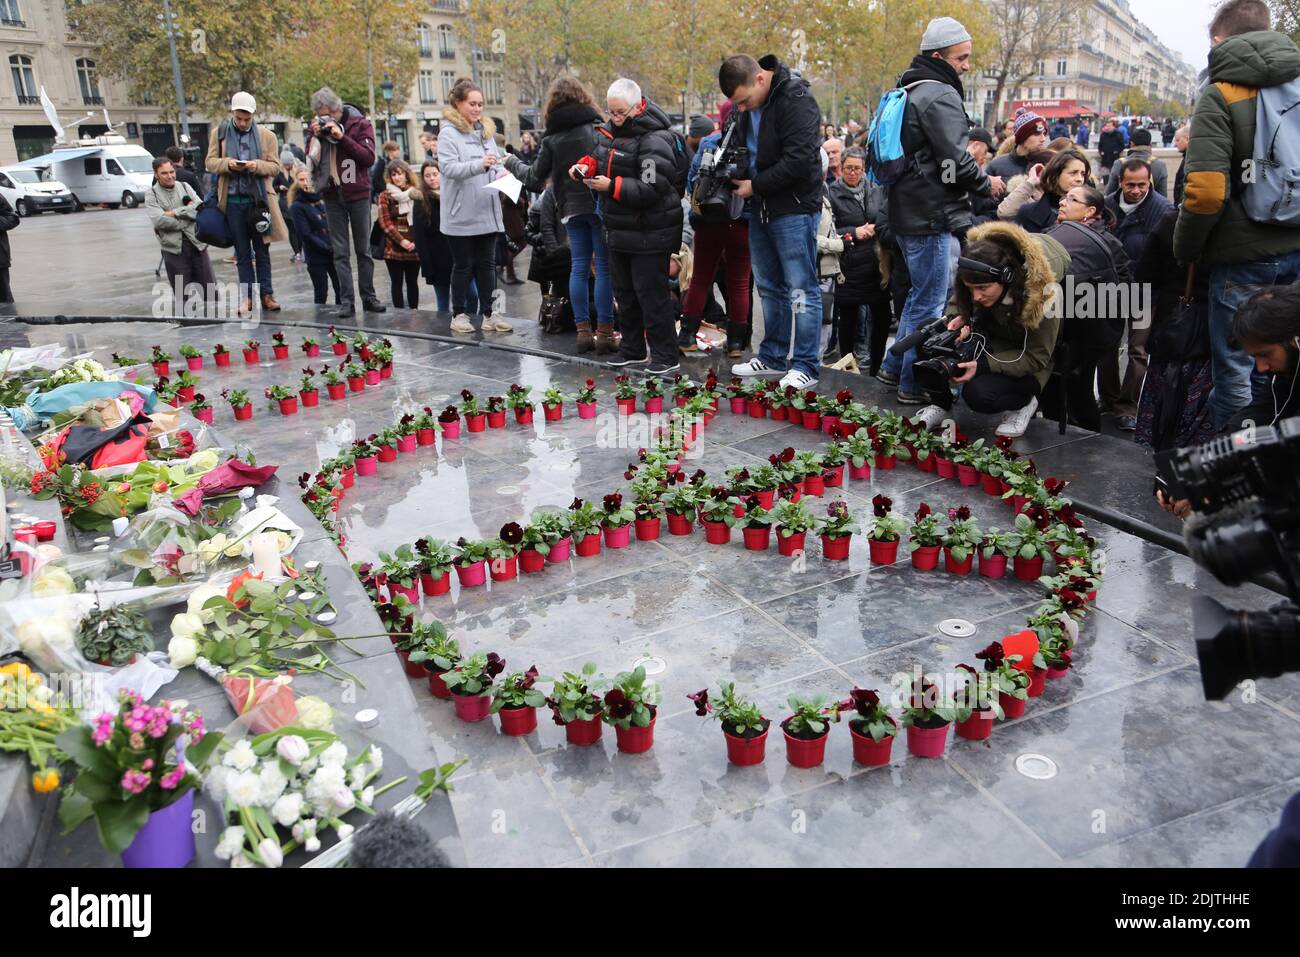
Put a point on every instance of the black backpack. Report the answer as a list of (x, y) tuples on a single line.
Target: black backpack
[(1092, 260)]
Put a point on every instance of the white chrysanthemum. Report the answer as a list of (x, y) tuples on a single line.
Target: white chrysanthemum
[(232, 841), (240, 757), (336, 753), (214, 785), (273, 782), (287, 809), (246, 789)]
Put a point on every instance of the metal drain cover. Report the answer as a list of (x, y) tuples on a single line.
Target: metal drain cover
[(508, 490), (1037, 766), (653, 664), (956, 628)]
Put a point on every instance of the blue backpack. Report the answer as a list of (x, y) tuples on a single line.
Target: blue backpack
[(886, 159), (1272, 195)]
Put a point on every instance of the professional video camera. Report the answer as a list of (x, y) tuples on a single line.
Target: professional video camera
[(713, 200), (938, 348), (1245, 501)]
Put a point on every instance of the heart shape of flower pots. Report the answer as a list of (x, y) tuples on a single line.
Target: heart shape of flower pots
[(757, 539), (883, 553), (926, 558), (531, 561), (504, 569), (927, 742), (518, 721), (804, 752), (956, 567), (634, 740), (357, 383), (588, 546), (476, 423), (789, 545), (747, 750), (977, 727), (473, 574), (472, 707), (647, 529), (583, 733), (618, 537), (836, 549), (553, 413), (560, 551), (680, 524), (435, 586)]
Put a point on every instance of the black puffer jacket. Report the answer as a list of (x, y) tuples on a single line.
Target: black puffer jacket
[(570, 135), (788, 166), (859, 263), (643, 208), (931, 196)]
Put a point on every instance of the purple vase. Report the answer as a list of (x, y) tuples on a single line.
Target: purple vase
[(167, 838)]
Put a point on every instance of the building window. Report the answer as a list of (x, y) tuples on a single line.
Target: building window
[(427, 92), (424, 38), (88, 80), (446, 42), (492, 92), (1062, 67), (10, 15), (448, 81), (1040, 68), (24, 79)]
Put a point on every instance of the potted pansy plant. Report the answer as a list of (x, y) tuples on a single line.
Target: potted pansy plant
[(586, 399), (437, 653), (1032, 547), (625, 393), (517, 398), (794, 521), (756, 524), (471, 562), (833, 459), (807, 727), (239, 404), (653, 391), (576, 706), (436, 558), (924, 538), (995, 549), (193, 358), (516, 698), (279, 347), (553, 404), (872, 727), (161, 361), (616, 520), (743, 725), (927, 714), (556, 529), (585, 520), (647, 489), (975, 703), (308, 392), (503, 552), (365, 457), (471, 683), (1010, 683), (681, 503), (426, 427), (385, 442), (631, 706), (886, 531), (449, 420), (837, 530), (310, 347), (960, 541), (406, 429), (718, 513), (475, 416), (859, 451), (355, 373), (415, 636), (402, 573), (202, 408), (496, 412)]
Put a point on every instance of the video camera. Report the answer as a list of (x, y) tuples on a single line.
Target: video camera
[(713, 200), (938, 348), (1245, 501)]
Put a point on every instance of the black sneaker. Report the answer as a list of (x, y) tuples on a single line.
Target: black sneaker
[(662, 368), (375, 305), (346, 311), (887, 377), (620, 360), (912, 398)]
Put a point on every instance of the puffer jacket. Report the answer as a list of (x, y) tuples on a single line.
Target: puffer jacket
[(788, 166), (643, 208), (859, 264), (468, 207), (1213, 226), (570, 135), (924, 201), (1022, 345)]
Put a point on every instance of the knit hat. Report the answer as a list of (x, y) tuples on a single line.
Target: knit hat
[(943, 32), (1026, 124), (701, 126), (286, 157)]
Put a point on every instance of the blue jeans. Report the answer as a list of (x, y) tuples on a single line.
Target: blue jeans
[(586, 242), (929, 260), (783, 254), (249, 248), (1233, 369), (443, 295)]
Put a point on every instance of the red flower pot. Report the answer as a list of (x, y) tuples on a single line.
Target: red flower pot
[(746, 752), (289, 406), (411, 594), (222, 359), (946, 468), (203, 415), (504, 569), (620, 537), (340, 348), (336, 391), (523, 416), (496, 420), (560, 551), (311, 352), (991, 484), (349, 476), (436, 686), (680, 524), (518, 721), (647, 529), (780, 413), (797, 493), (994, 567), (814, 485), (586, 410), (636, 740), (194, 363), (473, 574), (766, 498), (977, 727), (244, 412), (883, 553), (373, 377), (388, 453), (425, 436), (804, 753), (406, 443), (310, 399), (1012, 707), (367, 465), (280, 352), (862, 472), (553, 413), (531, 561), (357, 383), (958, 568), (476, 423), (583, 732), (869, 752), (968, 475), (829, 422), (1028, 569), (756, 408), (626, 406), (738, 510), (886, 462), (435, 586), (472, 707), (811, 420), (653, 404), (717, 533), (251, 356), (161, 369), (1037, 681), (186, 394), (413, 669), (386, 370), (758, 539), (927, 742), (588, 545), (738, 404), (836, 549), (926, 558), (1056, 674), (451, 430), (787, 546), (834, 478), (1018, 503), (927, 464)]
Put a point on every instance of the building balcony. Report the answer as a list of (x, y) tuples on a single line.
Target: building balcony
[(93, 100), (28, 100)]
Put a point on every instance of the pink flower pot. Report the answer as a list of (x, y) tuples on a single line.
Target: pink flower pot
[(869, 752), (588, 546), (336, 391), (788, 546), (203, 415), (1055, 673), (388, 453), (811, 420), (653, 405), (680, 524), (995, 567), (739, 510), (804, 753), (162, 369), (435, 586), (559, 552), (194, 363), (553, 413), (583, 733), (860, 472), (834, 478), (367, 465), (340, 348), (647, 529), (411, 594), (758, 539), (927, 742), (836, 549), (1018, 503), (1028, 569), (386, 370), (531, 561), (289, 406), (814, 485), (311, 352), (946, 468), (451, 430), (886, 462), (883, 553), (523, 416), (977, 727), (738, 405), (413, 669), (425, 436), (504, 569), (349, 476), (926, 558), (620, 537), (1037, 682), (717, 533), (496, 420), (626, 406), (517, 722), (746, 752), (636, 740), (472, 575), (373, 376), (406, 443), (244, 412), (958, 568), (357, 383), (310, 399), (586, 410), (472, 707), (222, 359), (280, 352), (476, 423)]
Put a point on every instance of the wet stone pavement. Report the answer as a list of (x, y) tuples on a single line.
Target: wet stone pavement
[(1148, 772)]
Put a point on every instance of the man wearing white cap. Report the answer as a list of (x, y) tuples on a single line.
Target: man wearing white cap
[(243, 157)]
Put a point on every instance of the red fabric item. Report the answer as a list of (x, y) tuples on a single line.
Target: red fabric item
[(228, 477)]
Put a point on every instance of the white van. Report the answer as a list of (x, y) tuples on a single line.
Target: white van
[(105, 169), (30, 195)]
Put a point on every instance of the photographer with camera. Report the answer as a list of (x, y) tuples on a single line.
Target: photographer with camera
[(172, 206), (244, 157), (998, 346)]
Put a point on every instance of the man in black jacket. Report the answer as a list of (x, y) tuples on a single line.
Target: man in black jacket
[(8, 220), (780, 125), (928, 204), (1109, 145)]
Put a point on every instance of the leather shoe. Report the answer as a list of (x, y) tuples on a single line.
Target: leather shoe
[(346, 311), (269, 304), (374, 305)]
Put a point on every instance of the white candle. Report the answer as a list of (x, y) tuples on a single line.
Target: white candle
[(266, 555)]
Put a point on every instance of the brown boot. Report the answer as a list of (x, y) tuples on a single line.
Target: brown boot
[(269, 304), (605, 341), (586, 338)]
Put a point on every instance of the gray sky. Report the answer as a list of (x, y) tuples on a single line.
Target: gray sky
[(1180, 24)]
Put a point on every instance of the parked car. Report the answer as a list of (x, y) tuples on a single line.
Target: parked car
[(31, 195)]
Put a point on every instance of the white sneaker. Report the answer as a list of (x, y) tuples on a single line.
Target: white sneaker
[(800, 380), (931, 415), (1014, 423), (462, 324), (495, 323), (754, 367)]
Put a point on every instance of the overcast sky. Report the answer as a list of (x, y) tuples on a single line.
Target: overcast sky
[(1180, 24)]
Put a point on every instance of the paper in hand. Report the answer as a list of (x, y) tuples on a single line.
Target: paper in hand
[(509, 185)]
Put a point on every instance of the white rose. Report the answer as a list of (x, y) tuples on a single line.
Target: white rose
[(232, 841), (39, 634), (240, 757), (287, 810), (246, 789), (182, 651), (200, 596), (186, 625), (270, 852), (293, 749), (314, 714)]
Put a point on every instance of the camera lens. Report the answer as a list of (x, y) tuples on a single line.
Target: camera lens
[(1235, 552), (1234, 646)]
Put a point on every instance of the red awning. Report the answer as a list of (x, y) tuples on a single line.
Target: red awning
[(1053, 109)]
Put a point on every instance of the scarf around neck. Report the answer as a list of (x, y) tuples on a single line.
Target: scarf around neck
[(402, 198)]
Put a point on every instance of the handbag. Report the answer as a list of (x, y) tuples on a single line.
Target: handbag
[(210, 223), (1184, 335), (554, 315), (376, 241)]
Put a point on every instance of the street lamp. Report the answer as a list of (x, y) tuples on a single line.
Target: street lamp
[(386, 88)]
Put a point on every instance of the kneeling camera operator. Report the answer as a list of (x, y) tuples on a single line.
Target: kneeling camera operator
[(999, 341)]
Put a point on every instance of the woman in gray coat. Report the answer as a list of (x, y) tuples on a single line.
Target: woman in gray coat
[(471, 211)]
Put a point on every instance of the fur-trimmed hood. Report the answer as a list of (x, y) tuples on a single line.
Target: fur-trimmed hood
[(1045, 259), (453, 116)]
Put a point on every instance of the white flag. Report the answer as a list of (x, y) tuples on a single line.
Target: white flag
[(51, 115)]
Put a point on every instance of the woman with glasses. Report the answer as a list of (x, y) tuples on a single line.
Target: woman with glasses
[(1066, 170)]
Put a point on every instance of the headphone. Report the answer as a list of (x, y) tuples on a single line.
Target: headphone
[(1006, 275)]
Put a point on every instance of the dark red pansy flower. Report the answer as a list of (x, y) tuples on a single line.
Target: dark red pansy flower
[(963, 513), (617, 705), (844, 396), (787, 454), (863, 701), (810, 396), (511, 533), (466, 394), (575, 504), (922, 511), (1053, 485), (529, 678), (701, 699), (495, 664), (752, 503), (992, 654)]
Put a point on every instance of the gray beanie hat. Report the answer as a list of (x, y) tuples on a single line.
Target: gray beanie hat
[(943, 32)]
